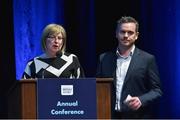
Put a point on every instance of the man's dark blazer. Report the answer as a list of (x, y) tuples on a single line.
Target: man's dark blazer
[(142, 80)]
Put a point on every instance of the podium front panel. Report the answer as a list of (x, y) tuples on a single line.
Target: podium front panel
[(66, 98)]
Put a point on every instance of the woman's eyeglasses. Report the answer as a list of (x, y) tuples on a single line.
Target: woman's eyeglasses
[(53, 38)]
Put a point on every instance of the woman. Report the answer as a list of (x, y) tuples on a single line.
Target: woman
[(55, 62)]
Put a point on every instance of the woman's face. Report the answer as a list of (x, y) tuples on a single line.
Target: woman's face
[(54, 43)]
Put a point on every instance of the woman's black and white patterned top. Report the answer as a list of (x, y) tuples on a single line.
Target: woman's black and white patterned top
[(64, 66)]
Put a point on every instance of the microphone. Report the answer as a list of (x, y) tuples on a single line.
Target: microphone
[(58, 54)]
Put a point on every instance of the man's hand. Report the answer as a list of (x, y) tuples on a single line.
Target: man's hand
[(133, 103)]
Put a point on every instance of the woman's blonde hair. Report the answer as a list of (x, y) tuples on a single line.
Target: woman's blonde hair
[(53, 29)]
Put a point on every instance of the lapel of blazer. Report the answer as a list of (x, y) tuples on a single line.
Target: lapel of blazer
[(134, 62), (114, 59)]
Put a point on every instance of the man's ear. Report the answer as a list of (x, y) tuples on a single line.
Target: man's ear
[(137, 35)]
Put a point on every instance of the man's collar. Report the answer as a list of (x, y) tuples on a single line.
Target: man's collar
[(130, 54)]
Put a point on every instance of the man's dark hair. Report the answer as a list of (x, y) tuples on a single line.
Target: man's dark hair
[(128, 19)]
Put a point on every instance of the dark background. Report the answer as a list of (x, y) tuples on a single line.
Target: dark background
[(159, 35)]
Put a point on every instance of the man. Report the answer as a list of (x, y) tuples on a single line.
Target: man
[(136, 79)]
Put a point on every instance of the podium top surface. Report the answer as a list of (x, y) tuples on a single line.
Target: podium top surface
[(97, 79)]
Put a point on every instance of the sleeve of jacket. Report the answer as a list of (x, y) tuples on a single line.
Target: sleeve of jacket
[(154, 84)]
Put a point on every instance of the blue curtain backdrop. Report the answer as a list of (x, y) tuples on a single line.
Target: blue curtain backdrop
[(31, 16), (161, 34)]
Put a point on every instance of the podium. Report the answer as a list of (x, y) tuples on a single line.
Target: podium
[(22, 96)]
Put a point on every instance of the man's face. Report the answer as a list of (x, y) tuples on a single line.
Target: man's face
[(126, 34)]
